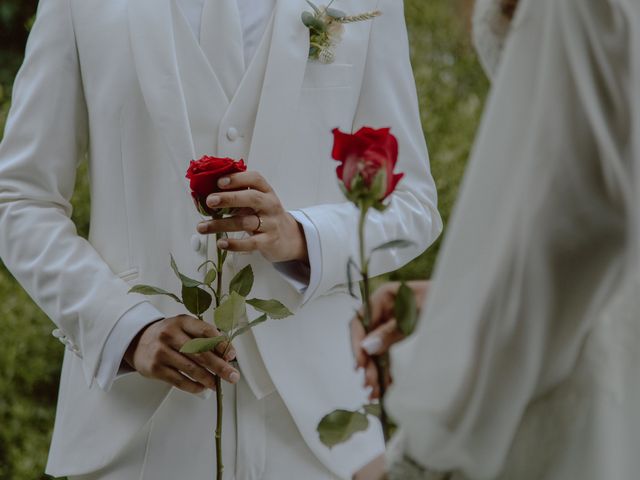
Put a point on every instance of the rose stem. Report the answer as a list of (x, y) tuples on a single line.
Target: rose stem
[(219, 395), (379, 361)]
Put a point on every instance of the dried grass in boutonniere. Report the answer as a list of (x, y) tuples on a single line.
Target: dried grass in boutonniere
[(326, 26)]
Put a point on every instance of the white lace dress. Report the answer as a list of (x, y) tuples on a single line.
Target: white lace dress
[(526, 362)]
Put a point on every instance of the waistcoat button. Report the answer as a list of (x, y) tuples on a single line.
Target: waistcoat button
[(233, 134)]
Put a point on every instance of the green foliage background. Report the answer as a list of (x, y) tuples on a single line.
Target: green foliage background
[(452, 89)]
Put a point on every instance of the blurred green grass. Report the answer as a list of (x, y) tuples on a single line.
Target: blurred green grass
[(452, 89)]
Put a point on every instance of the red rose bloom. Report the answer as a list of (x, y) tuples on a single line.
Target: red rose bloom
[(364, 157), (204, 174)]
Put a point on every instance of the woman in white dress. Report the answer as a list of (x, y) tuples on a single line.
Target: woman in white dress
[(525, 362)]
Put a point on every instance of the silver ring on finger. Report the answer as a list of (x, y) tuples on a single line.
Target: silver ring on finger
[(259, 227)]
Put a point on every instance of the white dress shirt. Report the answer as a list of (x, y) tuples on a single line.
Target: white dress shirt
[(254, 15)]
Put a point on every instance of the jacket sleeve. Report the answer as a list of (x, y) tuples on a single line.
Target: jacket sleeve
[(45, 136), (388, 99)]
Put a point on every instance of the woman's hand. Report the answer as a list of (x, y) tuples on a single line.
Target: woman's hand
[(384, 330), (257, 211)]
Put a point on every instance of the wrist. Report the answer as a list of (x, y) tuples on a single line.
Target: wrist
[(128, 358)]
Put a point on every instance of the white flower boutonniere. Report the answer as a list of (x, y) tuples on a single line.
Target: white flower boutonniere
[(326, 26)]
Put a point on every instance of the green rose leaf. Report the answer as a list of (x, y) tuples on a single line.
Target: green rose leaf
[(351, 264), (312, 22), (230, 312), (335, 13), (242, 283), (205, 263), (379, 185), (149, 290), (210, 277), (273, 308), (244, 329), (373, 409), (196, 299), (406, 309), (201, 345), (186, 281), (394, 244), (314, 6), (340, 425)]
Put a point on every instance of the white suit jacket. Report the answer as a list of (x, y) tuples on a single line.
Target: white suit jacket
[(125, 82)]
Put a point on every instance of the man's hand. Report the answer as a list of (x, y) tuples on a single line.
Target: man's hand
[(258, 211), (155, 353), (384, 330)]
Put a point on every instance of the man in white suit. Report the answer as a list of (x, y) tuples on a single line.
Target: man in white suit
[(142, 87)]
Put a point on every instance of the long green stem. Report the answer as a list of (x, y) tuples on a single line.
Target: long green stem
[(381, 362), (219, 395)]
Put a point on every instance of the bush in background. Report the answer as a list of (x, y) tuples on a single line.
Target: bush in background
[(451, 88)]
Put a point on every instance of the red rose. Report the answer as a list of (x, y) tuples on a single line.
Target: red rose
[(367, 162), (204, 174)]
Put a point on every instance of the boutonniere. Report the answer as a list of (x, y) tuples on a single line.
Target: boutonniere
[(326, 26)]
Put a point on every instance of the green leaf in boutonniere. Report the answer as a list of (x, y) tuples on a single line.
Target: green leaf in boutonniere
[(340, 425), (326, 27), (230, 312), (273, 308)]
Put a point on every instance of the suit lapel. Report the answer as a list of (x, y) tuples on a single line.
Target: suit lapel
[(154, 52), (205, 97), (185, 99), (288, 56)]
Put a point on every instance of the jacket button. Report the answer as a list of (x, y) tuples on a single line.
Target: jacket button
[(196, 243), (232, 134)]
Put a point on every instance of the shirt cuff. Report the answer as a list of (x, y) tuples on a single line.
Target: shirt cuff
[(304, 278), (128, 326)]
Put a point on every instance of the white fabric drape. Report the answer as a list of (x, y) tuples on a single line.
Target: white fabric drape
[(514, 367)]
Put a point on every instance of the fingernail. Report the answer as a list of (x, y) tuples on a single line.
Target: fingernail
[(231, 354), (223, 244), (202, 228), (213, 200), (372, 345), (223, 182), (234, 377)]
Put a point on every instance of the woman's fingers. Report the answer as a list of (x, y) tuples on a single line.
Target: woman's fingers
[(382, 338), (357, 336), (371, 380), (241, 180)]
